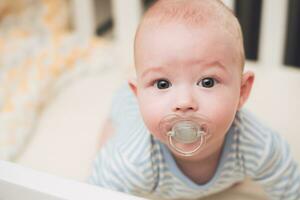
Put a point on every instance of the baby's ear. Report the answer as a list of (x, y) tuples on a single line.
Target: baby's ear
[(247, 82), (133, 85)]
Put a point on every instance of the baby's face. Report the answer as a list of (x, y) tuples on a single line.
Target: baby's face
[(182, 70)]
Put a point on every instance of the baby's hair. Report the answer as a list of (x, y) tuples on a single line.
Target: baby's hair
[(196, 13)]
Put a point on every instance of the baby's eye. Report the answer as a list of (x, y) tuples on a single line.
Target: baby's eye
[(162, 84), (207, 82)]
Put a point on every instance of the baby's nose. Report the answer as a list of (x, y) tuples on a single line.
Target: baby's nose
[(185, 101)]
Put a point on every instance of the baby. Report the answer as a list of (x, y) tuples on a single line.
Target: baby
[(185, 135)]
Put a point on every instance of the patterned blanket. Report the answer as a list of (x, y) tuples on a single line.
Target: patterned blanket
[(39, 54)]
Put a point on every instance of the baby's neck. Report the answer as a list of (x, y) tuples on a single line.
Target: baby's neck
[(203, 169)]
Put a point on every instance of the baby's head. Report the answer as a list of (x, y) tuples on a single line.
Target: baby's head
[(189, 60)]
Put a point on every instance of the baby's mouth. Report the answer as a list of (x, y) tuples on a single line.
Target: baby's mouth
[(186, 135)]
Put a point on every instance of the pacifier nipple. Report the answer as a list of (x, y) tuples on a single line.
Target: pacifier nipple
[(185, 131)]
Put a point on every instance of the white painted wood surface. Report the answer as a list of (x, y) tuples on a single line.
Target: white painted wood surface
[(273, 32), (18, 182), (83, 17)]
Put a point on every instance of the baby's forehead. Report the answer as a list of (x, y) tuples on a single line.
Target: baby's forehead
[(197, 14)]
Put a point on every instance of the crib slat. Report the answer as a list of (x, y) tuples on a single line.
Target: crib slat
[(84, 17), (273, 27)]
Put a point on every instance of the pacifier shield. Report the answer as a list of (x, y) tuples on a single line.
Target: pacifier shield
[(185, 130)]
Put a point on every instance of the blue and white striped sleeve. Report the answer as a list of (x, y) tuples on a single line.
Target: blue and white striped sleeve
[(115, 168), (112, 170), (105, 172), (277, 171)]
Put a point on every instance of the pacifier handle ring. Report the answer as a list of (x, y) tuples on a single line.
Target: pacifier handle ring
[(187, 153)]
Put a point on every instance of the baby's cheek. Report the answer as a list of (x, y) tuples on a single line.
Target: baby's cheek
[(152, 119), (152, 114), (148, 117)]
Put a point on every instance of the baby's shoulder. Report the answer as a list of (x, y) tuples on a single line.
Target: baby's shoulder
[(255, 140), (252, 137), (251, 127), (258, 146)]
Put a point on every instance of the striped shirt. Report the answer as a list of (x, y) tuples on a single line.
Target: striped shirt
[(134, 162)]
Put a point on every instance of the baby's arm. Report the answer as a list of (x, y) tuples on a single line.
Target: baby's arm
[(278, 172), (108, 164), (113, 167)]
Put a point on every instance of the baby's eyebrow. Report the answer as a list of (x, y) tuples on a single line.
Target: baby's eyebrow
[(157, 69), (207, 65), (160, 69), (217, 64)]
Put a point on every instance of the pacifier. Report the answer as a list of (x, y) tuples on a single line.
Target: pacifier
[(185, 130)]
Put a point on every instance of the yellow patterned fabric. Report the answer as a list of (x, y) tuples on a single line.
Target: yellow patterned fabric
[(37, 53), (23, 18)]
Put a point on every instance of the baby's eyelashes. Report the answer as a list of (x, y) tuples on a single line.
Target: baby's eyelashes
[(162, 84), (207, 82)]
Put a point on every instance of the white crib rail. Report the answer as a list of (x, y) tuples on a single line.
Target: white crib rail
[(18, 182)]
